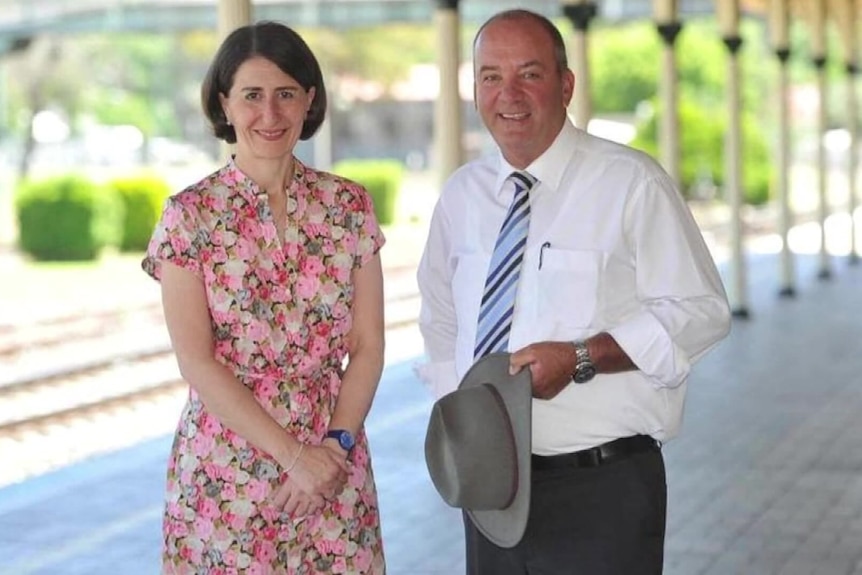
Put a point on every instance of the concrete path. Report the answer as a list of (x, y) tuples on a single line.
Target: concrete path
[(765, 478)]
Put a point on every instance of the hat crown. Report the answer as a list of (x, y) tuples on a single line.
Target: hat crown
[(471, 451), (478, 447)]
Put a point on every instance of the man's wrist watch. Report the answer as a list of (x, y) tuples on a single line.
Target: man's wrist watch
[(345, 439), (585, 370)]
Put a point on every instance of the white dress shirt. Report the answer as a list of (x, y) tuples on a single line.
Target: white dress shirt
[(612, 247)]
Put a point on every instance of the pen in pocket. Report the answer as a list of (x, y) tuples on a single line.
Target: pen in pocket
[(542, 252)]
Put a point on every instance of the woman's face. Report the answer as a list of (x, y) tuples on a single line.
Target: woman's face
[(267, 109)]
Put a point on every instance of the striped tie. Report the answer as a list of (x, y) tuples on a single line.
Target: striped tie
[(498, 300)]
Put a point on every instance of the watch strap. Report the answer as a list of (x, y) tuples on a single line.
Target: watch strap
[(344, 438), (585, 369)]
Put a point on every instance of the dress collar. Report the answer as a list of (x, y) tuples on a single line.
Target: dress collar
[(248, 188)]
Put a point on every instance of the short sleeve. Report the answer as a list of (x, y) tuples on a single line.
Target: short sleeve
[(174, 240), (369, 235)]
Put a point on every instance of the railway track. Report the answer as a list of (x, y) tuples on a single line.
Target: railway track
[(107, 380), (18, 340)]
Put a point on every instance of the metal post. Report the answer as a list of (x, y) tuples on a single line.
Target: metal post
[(852, 159), (669, 129), (785, 223), (733, 180), (824, 268)]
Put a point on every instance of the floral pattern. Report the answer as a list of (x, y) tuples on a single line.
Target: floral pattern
[(280, 310)]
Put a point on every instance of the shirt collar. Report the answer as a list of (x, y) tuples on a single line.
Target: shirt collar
[(548, 168)]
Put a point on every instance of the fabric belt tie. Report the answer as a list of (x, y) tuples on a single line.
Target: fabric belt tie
[(600, 455)]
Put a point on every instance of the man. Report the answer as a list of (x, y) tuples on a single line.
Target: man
[(614, 296)]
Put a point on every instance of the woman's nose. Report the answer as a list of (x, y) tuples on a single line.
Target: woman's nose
[(271, 109)]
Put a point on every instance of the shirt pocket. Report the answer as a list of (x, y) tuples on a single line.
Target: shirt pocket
[(569, 286)]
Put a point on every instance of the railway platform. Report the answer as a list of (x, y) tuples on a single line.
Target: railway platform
[(764, 479)]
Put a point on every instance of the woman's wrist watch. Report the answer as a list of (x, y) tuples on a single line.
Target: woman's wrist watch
[(585, 370), (345, 439)]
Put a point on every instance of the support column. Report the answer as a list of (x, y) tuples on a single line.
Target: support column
[(323, 144), (665, 13), (853, 160), (581, 13), (232, 14), (847, 20), (448, 144), (818, 39), (824, 270), (779, 32), (728, 16)]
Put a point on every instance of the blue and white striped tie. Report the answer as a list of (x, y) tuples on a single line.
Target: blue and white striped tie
[(498, 300)]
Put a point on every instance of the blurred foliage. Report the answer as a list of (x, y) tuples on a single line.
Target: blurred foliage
[(152, 81), (140, 80), (702, 133), (624, 67), (702, 61), (143, 196), (383, 53), (66, 218), (382, 179)]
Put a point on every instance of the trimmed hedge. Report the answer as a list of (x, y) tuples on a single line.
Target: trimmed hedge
[(382, 179), (143, 197), (66, 218)]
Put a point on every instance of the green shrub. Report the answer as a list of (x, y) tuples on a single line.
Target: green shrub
[(382, 179), (702, 135), (143, 197), (66, 218)]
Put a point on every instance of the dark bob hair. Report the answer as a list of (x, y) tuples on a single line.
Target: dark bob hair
[(281, 46)]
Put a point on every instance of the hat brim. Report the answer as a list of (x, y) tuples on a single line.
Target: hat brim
[(505, 527)]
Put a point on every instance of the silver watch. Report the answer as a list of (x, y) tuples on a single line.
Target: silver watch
[(585, 370)]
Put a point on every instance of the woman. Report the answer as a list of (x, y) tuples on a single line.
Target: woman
[(271, 283)]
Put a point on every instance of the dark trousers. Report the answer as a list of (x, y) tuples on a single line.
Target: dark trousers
[(605, 520)]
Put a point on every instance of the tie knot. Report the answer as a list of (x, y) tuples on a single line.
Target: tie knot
[(523, 180)]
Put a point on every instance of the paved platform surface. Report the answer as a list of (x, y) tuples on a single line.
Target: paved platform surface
[(765, 478)]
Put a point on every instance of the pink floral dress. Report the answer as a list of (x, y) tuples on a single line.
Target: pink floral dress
[(280, 311)]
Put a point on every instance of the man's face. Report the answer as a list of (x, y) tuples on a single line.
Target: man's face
[(520, 94)]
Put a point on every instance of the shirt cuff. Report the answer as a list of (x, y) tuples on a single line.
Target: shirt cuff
[(648, 345), (439, 377)]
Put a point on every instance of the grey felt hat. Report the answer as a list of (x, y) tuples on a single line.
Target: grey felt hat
[(478, 447)]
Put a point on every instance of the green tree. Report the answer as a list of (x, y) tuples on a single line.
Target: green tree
[(135, 81), (702, 59), (381, 53), (624, 67)]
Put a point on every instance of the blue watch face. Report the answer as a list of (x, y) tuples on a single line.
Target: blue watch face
[(344, 437)]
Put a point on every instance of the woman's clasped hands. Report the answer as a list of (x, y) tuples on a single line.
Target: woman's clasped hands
[(317, 474)]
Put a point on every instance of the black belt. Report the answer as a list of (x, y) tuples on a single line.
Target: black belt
[(599, 455)]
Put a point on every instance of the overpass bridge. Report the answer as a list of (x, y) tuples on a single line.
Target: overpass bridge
[(23, 19)]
